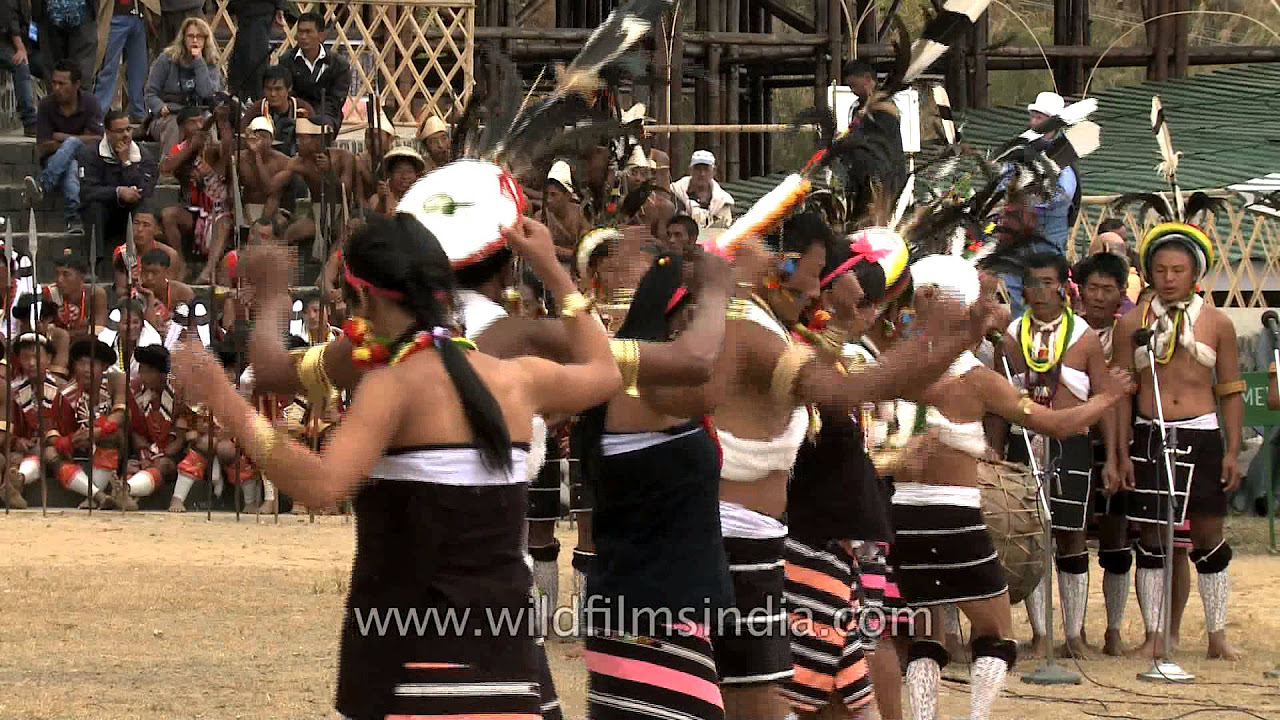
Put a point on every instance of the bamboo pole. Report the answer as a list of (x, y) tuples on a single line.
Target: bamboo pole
[(726, 128), (733, 103)]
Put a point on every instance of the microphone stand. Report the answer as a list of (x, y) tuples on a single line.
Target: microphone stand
[(1270, 479), (1164, 669), (1050, 673)]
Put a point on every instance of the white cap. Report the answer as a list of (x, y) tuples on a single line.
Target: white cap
[(634, 113), (262, 122), (952, 274), (561, 173), (639, 159), (1049, 103), (702, 157), (305, 126), (432, 126)]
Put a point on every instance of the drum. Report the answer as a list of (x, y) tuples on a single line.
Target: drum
[(1013, 520)]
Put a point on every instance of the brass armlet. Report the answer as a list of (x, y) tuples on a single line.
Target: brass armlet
[(52, 434), (575, 304), (1025, 405), (626, 353), (785, 373), (1229, 388), (312, 374)]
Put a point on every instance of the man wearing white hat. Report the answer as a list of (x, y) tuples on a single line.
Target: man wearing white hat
[(260, 162), (329, 173), (639, 168), (702, 196), (561, 212), (401, 168), (434, 135), (1053, 215)]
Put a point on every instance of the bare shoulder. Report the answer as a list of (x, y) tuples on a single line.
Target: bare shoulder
[(1132, 319), (1223, 327)]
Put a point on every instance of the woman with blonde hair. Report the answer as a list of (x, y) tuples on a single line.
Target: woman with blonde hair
[(184, 74)]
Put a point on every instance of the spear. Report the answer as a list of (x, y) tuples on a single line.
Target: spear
[(92, 394), (130, 253), (8, 354), (33, 248)]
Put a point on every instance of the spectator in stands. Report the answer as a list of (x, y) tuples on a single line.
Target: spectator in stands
[(15, 23), (158, 293), (561, 212), (661, 168), (127, 37), (146, 228), (436, 142), (682, 233), (639, 169), (1054, 214), (281, 107), (704, 199), (648, 206), (183, 75), (68, 121), (173, 13), (379, 138), (68, 30), (317, 327), (402, 167), (201, 166), (329, 173), (258, 164), (1111, 238), (118, 175), (251, 54), (320, 77), (70, 294)]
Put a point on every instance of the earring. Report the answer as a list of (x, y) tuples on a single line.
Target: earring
[(772, 282), (890, 329)]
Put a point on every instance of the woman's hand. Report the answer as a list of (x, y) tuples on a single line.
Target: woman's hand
[(267, 269), (196, 373)]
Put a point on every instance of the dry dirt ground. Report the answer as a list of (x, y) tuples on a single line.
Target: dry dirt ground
[(154, 617)]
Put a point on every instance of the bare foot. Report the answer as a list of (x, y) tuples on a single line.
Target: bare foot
[(268, 507), (1220, 649), (177, 506), (298, 508), (121, 497), (1035, 648), (1077, 648), (1152, 648), (1113, 645), (13, 490)]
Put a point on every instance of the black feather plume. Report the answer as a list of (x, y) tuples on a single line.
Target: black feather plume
[(1147, 202), (901, 57), (1201, 203)]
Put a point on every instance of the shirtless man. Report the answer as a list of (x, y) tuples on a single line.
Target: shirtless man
[(1102, 279), (74, 298), (376, 139), (1058, 361), (259, 164), (562, 213), (146, 225), (402, 167), (159, 294), (1192, 342), (329, 173)]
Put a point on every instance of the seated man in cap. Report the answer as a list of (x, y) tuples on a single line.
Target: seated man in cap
[(561, 212), (74, 298), (661, 168), (96, 389), (29, 425), (379, 138), (704, 200), (436, 142), (330, 177), (259, 164), (402, 167), (280, 107)]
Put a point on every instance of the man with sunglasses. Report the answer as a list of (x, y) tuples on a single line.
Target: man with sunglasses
[(1057, 361)]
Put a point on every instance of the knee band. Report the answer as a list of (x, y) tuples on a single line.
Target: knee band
[(928, 649), (582, 561), (996, 647), (1211, 561), (546, 553), (1073, 564), (1149, 558), (1117, 561)]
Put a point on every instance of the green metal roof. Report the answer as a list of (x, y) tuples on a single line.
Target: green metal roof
[(1224, 122)]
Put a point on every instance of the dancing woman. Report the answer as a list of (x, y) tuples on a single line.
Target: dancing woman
[(942, 551), (432, 449)]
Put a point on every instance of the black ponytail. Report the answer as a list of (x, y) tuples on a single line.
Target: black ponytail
[(400, 254)]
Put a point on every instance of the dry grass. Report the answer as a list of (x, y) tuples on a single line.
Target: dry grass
[(155, 617)]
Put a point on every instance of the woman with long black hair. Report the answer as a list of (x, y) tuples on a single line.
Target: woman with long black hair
[(432, 450)]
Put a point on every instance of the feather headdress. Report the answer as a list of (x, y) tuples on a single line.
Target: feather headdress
[(1177, 215)]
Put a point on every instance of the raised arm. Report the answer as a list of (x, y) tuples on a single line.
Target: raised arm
[(690, 358), (1003, 399)]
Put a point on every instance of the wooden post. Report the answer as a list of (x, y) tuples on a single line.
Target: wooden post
[(659, 85), (713, 141), (870, 27), (821, 70), (733, 102), (676, 111), (957, 76), (978, 79), (835, 45), (701, 85), (1180, 23)]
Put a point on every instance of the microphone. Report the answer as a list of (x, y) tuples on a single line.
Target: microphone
[(996, 335), (1271, 322), (1142, 336)]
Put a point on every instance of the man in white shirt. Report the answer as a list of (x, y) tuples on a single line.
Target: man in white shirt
[(703, 198)]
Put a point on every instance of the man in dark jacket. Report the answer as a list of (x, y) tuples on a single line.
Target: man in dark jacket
[(68, 121), (15, 26), (252, 52), (118, 176), (68, 30), (320, 77)]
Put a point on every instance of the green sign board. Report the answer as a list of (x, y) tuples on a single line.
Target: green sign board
[(1256, 412)]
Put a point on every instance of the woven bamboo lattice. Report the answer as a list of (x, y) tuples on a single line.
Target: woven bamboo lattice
[(421, 51), (1240, 238)]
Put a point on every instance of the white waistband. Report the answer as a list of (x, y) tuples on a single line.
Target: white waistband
[(460, 466), (746, 460), (537, 449), (623, 443), (739, 522), (1208, 421), (922, 494)]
